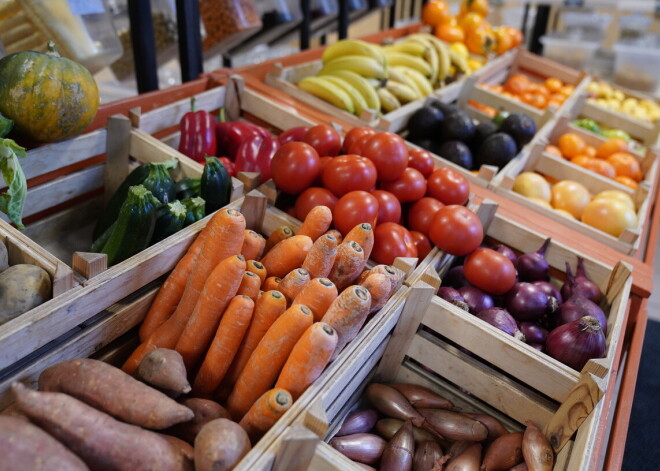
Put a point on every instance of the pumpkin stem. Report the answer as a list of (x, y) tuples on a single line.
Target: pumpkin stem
[(52, 49)]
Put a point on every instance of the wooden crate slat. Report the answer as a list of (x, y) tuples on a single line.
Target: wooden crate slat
[(272, 112), (646, 132)]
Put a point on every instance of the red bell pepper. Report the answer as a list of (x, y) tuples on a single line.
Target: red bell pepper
[(197, 134), (255, 154), (231, 134)]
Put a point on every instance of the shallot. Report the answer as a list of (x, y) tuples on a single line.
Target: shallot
[(504, 453), (363, 447), (359, 421), (400, 450), (419, 396), (536, 449)]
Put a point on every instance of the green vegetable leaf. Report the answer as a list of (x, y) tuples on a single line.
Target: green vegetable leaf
[(171, 164), (12, 200)]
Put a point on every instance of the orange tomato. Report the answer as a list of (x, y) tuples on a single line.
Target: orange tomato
[(601, 167), (567, 90), (625, 165), (629, 182), (479, 7), (553, 150), (515, 34), (553, 84), (581, 160), (538, 100), (504, 40), (590, 151), (471, 22), (480, 41), (435, 13), (558, 97), (571, 145), (449, 33), (611, 146), (517, 84)]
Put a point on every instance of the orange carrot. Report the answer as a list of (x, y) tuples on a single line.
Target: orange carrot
[(250, 285), (321, 256), (278, 235), (336, 234), (219, 288), (363, 234), (170, 293), (257, 268), (308, 359), (293, 283), (380, 289), (347, 314), (363, 276), (253, 245), (267, 309), (267, 360), (394, 274), (265, 412), (348, 264), (316, 223), (317, 295), (271, 283), (287, 255), (235, 322)]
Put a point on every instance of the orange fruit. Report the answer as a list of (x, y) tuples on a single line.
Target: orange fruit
[(601, 167), (538, 100), (481, 41), (558, 97), (553, 84), (570, 196), (515, 34), (609, 215), (449, 33), (504, 40), (611, 146), (581, 160), (471, 22), (567, 90), (571, 145), (517, 84), (553, 150), (590, 151), (629, 182), (625, 165), (479, 7), (435, 13)]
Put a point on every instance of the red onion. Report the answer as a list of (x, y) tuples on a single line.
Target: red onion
[(455, 278), (577, 342), (476, 299), (527, 302), (537, 346), (578, 306), (580, 283), (500, 318), (533, 266), (534, 333), (453, 296), (549, 289), (506, 251)]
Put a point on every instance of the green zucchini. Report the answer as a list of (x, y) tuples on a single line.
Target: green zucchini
[(188, 188), (99, 243), (160, 184), (216, 185), (195, 210), (134, 227), (170, 220)]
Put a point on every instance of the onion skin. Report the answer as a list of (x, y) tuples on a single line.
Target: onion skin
[(536, 449), (504, 453), (494, 426), (366, 448), (359, 421), (519, 467), (501, 319), (533, 266), (476, 299), (427, 455), (506, 251), (577, 342), (580, 283), (458, 447), (419, 396), (452, 295), (455, 426), (527, 302), (549, 289), (455, 278), (391, 403), (578, 306), (400, 450), (534, 333), (387, 428), (469, 460)]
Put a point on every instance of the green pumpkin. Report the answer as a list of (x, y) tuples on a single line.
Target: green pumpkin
[(49, 97)]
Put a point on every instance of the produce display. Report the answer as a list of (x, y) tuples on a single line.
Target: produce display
[(409, 427), (451, 133), (610, 133), (605, 95), (542, 94)]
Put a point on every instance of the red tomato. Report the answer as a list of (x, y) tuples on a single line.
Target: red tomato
[(389, 207), (456, 230), (355, 208), (312, 197), (357, 135), (490, 271), (389, 154), (349, 173), (421, 214), (421, 160), (324, 139), (409, 187), (448, 186), (323, 161), (422, 243), (294, 167), (391, 241)]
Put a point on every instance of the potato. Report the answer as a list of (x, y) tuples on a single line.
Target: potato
[(111, 390), (4, 257), (25, 447), (103, 443), (205, 411), (164, 369), (220, 445), (22, 287)]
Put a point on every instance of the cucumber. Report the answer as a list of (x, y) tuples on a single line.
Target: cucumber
[(216, 185), (194, 210), (188, 188), (170, 220)]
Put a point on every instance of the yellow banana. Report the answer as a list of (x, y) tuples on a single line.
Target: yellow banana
[(388, 101), (406, 60), (459, 61), (442, 51), (401, 91), (361, 65), (396, 74), (422, 83), (413, 48), (328, 91), (362, 85), (353, 47), (359, 103)]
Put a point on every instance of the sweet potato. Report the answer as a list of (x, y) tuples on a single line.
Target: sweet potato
[(25, 447), (103, 443), (205, 411), (220, 445), (164, 369), (183, 452), (111, 390), (22, 287)]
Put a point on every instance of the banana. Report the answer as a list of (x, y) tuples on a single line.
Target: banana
[(459, 61), (362, 85), (398, 58), (359, 103), (365, 66), (413, 48), (442, 50), (396, 74), (353, 47), (422, 83), (388, 101), (328, 91), (401, 91)]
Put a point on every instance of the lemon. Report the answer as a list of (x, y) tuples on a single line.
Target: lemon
[(532, 185)]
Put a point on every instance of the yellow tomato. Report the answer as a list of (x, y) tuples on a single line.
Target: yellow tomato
[(565, 213), (617, 195), (543, 203), (570, 196), (532, 185), (609, 215)]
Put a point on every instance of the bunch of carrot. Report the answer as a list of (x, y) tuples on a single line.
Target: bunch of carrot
[(257, 320)]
